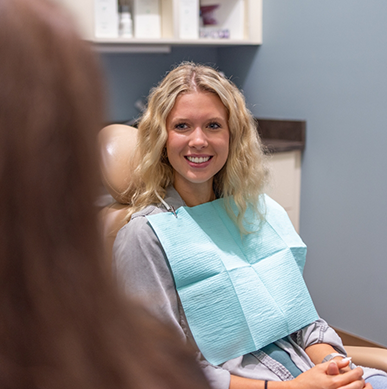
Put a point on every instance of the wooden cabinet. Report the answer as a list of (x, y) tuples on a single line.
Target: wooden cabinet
[(285, 182), (84, 13)]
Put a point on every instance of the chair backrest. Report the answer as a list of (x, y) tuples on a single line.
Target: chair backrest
[(117, 143)]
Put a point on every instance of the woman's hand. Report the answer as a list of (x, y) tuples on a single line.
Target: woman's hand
[(336, 367), (339, 365), (329, 375)]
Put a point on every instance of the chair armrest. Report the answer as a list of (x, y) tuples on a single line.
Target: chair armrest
[(368, 356)]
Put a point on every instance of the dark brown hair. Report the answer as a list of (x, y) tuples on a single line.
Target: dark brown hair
[(63, 324)]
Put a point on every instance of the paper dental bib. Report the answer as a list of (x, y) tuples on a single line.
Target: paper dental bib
[(239, 293)]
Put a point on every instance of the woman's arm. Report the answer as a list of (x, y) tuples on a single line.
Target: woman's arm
[(317, 353), (319, 340), (142, 271)]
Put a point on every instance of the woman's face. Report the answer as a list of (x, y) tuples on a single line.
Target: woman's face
[(198, 140)]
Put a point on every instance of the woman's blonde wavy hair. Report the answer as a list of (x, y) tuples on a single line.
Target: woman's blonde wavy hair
[(242, 176)]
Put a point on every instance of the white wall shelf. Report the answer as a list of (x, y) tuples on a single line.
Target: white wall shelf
[(84, 14)]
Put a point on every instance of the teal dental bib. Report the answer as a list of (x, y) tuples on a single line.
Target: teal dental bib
[(239, 293)]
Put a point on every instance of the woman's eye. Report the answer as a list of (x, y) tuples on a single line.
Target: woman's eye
[(214, 125), (181, 126)]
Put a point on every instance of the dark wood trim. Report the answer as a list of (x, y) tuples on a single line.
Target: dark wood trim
[(282, 135)]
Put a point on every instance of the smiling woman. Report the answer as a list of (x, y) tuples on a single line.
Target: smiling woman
[(197, 145), (242, 173), (218, 268)]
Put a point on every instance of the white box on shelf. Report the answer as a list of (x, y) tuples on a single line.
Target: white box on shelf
[(147, 19), (106, 18), (188, 19), (230, 16)]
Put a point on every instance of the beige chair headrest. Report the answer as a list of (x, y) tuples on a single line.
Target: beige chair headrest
[(117, 144)]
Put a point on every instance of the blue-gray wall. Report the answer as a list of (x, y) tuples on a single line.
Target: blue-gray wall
[(131, 76), (325, 62)]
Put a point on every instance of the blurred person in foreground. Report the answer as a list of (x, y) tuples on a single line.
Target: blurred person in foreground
[(63, 324)]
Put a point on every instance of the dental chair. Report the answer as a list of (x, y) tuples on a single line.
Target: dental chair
[(117, 142)]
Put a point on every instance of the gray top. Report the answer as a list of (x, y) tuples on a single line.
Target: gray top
[(142, 269)]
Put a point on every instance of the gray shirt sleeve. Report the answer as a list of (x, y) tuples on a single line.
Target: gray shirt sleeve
[(142, 269), (315, 333), (320, 332)]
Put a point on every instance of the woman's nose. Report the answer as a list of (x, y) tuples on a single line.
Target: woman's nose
[(198, 139)]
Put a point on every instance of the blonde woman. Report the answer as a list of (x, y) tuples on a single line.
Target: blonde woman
[(199, 160)]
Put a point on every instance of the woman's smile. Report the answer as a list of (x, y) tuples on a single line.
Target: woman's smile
[(198, 161)]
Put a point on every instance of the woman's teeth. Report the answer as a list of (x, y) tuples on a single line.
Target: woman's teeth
[(198, 159)]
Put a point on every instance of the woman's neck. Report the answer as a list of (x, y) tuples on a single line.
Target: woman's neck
[(196, 196)]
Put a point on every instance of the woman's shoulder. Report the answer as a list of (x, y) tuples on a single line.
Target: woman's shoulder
[(136, 239), (138, 227), (138, 223), (152, 209)]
